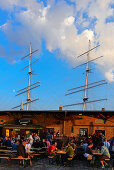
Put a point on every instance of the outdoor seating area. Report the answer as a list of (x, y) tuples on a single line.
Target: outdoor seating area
[(53, 152)]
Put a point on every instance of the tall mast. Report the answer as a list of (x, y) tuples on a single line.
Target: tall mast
[(30, 86), (87, 85), (29, 80), (87, 73)]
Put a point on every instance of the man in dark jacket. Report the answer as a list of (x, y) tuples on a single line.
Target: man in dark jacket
[(21, 149)]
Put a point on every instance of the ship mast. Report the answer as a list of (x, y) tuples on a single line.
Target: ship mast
[(30, 86), (87, 73), (87, 85), (29, 81)]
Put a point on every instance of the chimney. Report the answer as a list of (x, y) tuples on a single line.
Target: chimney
[(60, 107), (103, 109)]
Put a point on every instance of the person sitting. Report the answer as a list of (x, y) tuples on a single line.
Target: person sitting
[(52, 148), (69, 150), (6, 142), (89, 153), (52, 152), (106, 155), (21, 149), (21, 152), (15, 144), (69, 153), (74, 147)]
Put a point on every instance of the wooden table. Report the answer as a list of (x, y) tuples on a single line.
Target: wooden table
[(37, 149), (30, 152), (96, 153), (2, 150), (9, 147), (44, 148), (61, 152)]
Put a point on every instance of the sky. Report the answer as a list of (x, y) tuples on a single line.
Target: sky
[(60, 30)]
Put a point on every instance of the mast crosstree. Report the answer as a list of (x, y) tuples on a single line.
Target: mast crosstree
[(87, 85), (30, 86)]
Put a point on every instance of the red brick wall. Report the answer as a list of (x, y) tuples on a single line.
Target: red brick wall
[(71, 127), (89, 123)]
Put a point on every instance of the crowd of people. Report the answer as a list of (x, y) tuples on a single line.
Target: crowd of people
[(98, 143), (70, 145)]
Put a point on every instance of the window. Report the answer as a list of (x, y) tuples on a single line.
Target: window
[(83, 131)]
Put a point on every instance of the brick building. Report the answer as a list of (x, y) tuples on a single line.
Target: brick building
[(69, 123)]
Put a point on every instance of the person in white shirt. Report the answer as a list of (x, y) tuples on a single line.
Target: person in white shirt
[(31, 139), (27, 146)]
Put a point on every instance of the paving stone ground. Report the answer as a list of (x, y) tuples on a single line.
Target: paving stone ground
[(44, 165)]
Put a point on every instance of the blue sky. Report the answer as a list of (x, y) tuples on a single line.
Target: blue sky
[(61, 31)]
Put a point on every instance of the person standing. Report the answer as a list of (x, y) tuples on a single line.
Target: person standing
[(106, 143), (31, 139), (27, 146)]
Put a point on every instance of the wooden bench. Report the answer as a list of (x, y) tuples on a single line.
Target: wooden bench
[(42, 152), (1, 154), (35, 155), (5, 157), (50, 159), (70, 161), (24, 159), (89, 159), (108, 159)]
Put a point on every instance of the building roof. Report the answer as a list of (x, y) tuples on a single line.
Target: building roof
[(61, 114)]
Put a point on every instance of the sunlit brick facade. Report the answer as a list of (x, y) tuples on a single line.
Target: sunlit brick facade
[(73, 123)]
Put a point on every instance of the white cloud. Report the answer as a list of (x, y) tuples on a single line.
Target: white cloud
[(89, 34), (56, 23), (110, 75), (69, 21)]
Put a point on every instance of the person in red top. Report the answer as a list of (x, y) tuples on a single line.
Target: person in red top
[(52, 148), (51, 151)]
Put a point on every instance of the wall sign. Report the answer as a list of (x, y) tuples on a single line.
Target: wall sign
[(7, 132), (16, 129), (98, 120)]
